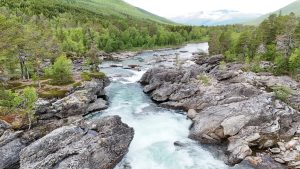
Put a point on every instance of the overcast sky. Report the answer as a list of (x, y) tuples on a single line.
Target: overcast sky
[(173, 8)]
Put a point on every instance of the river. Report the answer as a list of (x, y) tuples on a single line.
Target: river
[(156, 129)]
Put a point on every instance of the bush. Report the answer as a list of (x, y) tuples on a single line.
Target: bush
[(281, 65), (29, 96), (9, 100), (282, 93), (60, 72), (294, 62)]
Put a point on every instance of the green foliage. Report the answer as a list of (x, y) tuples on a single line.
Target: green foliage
[(60, 72), (282, 93), (281, 65), (204, 79), (77, 84), (88, 76), (223, 65), (9, 100), (271, 53), (52, 93), (29, 96), (34, 30), (276, 40), (294, 62)]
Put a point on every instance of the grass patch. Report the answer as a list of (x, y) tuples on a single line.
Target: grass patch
[(204, 79), (53, 93), (77, 84), (88, 76), (281, 93)]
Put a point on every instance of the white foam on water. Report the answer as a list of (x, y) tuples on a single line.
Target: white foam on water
[(137, 75), (156, 130)]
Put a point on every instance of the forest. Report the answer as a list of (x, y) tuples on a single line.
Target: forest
[(275, 40), (35, 32)]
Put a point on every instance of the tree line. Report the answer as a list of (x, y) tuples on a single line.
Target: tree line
[(276, 39)]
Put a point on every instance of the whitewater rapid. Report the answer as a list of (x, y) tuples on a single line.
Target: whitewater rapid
[(156, 129)]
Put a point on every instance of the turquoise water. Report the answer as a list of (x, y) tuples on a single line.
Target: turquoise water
[(156, 129)]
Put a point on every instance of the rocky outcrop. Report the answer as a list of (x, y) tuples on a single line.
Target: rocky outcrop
[(95, 144), (77, 103), (229, 105), (10, 146)]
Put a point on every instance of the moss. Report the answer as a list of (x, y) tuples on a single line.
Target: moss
[(77, 84), (53, 93), (88, 76)]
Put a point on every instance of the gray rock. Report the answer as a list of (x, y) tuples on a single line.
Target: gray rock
[(98, 105), (237, 106), (4, 126), (77, 103), (279, 160), (192, 114), (275, 150), (10, 146), (95, 144)]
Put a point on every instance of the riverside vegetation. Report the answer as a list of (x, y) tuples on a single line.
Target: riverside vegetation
[(50, 53)]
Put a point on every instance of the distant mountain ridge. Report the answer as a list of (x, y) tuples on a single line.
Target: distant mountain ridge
[(293, 7), (117, 8), (212, 18)]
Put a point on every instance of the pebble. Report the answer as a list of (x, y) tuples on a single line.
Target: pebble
[(291, 144), (192, 113), (281, 146), (275, 150), (279, 160)]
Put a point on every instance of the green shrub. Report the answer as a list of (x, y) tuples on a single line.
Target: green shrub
[(281, 65), (10, 100), (294, 62), (223, 65), (281, 92), (29, 96), (204, 79), (60, 72)]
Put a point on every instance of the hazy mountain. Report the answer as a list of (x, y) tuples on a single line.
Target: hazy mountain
[(219, 17), (293, 7)]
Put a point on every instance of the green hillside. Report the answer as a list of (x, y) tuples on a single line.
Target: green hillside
[(293, 7), (116, 8)]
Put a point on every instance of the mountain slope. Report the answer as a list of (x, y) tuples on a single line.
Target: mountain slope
[(113, 7), (293, 7), (212, 18)]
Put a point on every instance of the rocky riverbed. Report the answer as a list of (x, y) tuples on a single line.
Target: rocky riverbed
[(231, 106), (62, 138), (221, 112)]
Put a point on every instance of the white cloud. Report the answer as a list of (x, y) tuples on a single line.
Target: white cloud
[(174, 8)]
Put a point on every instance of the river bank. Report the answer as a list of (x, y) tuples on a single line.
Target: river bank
[(165, 109)]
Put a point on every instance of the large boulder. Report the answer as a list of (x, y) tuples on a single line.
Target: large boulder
[(10, 146), (77, 103), (4, 126), (230, 105), (95, 144)]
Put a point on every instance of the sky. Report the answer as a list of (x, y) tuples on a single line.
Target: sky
[(174, 8)]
